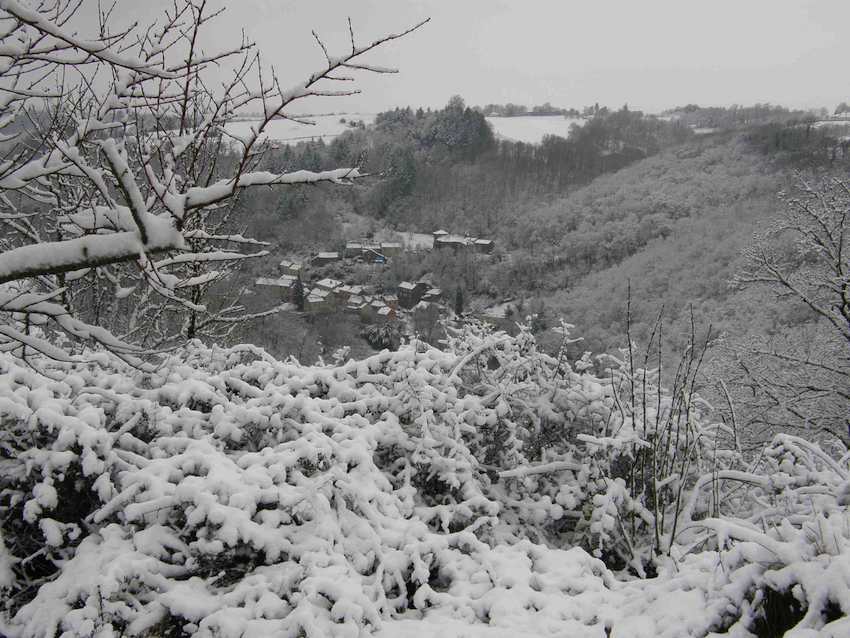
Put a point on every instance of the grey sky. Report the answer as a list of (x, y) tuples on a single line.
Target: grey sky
[(652, 54)]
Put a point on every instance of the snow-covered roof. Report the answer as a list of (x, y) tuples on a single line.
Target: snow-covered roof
[(484, 242), (390, 244), (385, 310), (328, 283), (406, 285), (282, 282), (440, 233), (329, 255), (452, 239)]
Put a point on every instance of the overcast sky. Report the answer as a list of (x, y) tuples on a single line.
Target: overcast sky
[(652, 54)]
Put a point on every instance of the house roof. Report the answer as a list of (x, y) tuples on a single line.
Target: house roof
[(390, 244), (452, 239), (329, 255), (434, 291), (329, 284), (484, 242), (281, 282), (406, 285), (440, 232), (385, 310)]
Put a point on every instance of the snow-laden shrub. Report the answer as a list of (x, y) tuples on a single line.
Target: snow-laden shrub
[(341, 493), (230, 494)]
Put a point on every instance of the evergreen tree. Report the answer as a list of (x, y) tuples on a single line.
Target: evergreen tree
[(458, 302), (296, 294)]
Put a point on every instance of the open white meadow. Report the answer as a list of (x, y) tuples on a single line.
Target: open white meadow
[(531, 129)]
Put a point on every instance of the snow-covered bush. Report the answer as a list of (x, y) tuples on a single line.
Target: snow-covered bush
[(230, 494)]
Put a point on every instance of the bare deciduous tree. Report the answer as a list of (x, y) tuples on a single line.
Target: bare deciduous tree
[(802, 379), (117, 170)]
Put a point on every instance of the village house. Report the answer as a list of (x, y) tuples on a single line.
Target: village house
[(290, 268), (409, 294), (281, 285), (354, 303), (406, 294), (386, 313), (433, 295), (328, 284), (353, 249), (443, 240), (391, 301), (319, 300), (325, 258), (346, 292)]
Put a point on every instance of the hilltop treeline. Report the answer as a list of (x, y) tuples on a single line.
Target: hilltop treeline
[(445, 167), (513, 110)]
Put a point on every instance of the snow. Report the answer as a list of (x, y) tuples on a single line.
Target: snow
[(326, 127), (235, 495), (532, 128)]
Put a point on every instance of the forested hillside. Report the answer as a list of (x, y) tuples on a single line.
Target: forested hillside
[(187, 450)]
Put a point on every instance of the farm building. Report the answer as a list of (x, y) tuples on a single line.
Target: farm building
[(484, 246), (451, 241), (391, 248)]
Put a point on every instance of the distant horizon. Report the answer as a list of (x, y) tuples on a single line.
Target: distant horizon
[(829, 108)]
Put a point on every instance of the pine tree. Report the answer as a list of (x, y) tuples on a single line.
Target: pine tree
[(459, 302), (296, 294)]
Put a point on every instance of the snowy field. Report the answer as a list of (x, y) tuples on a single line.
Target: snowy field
[(532, 128), (326, 127), (526, 128)]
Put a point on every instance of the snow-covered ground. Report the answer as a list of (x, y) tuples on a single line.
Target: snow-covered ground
[(326, 127), (532, 128)]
